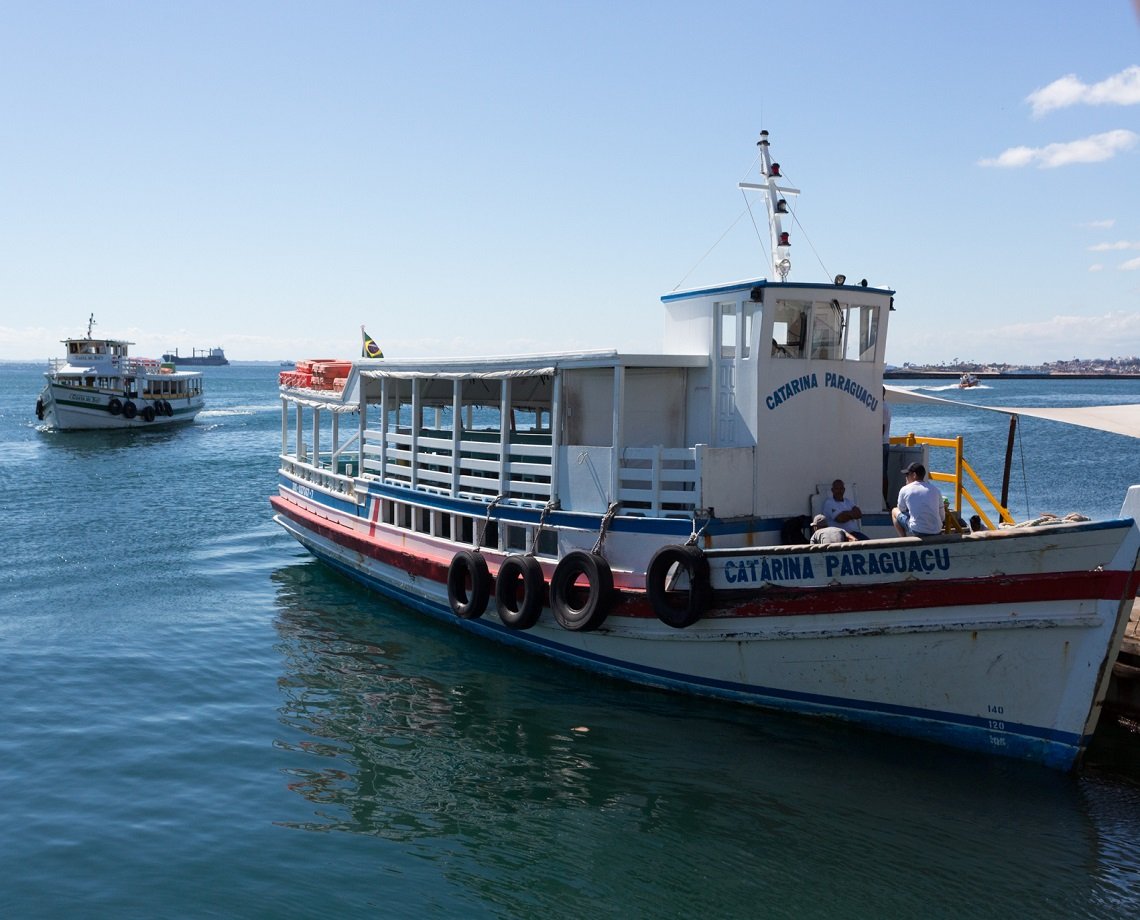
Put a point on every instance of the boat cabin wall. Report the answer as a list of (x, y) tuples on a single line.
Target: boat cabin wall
[(795, 374), (819, 396), (652, 400)]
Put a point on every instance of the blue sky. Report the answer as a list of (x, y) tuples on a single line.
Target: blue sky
[(471, 178)]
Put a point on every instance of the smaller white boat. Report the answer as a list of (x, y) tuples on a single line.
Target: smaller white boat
[(99, 385), (968, 380)]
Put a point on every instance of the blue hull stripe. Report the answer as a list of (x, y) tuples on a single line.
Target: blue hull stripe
[(677, 528)]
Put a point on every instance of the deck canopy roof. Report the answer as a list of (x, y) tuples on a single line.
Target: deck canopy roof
[(533, 373), (1122, 419), (493, 368)]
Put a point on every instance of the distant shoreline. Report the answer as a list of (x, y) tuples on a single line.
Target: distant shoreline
[(893, 373), (896, 374)]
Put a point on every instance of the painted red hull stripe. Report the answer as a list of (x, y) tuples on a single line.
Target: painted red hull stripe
[(779, 601)]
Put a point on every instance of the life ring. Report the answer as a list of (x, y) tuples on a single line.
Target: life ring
[(664, 602), (468, 585), (115, 406), (519, 612), (564, 592), (148, 413), (129, 409), (40, 409)]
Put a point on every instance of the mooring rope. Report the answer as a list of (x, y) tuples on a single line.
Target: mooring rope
[(487, 520), (606, 519), (546, 509), (697, 532)]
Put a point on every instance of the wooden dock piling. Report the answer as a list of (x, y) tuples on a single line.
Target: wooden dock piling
[(1124, 687)]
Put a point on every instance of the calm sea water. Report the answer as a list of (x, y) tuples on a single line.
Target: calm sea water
[(201, 721)]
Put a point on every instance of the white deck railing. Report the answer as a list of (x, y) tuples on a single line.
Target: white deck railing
[(652, 481), (659, 481), (339, 483), (481, 472)]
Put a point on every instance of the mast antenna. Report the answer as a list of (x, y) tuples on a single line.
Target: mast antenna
[(776, 198)]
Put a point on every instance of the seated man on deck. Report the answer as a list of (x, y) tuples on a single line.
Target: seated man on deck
[(841, 511), (821, 532), (920, 510)]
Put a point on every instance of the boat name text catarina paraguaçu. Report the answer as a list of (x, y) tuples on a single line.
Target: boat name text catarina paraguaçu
[(809, 382), (799, 568)]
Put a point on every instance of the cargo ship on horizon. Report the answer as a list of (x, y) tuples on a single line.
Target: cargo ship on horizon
[(205, 357)]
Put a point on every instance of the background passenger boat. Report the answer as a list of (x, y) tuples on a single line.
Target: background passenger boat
[(98, 385)]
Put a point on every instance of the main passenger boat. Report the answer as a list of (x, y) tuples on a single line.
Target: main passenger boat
[(643, 516), (98, 385)]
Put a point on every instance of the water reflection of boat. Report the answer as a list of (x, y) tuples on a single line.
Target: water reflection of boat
[(395, 729), (642, 515)]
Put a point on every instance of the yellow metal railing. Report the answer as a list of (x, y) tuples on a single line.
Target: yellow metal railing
[(962, 469)]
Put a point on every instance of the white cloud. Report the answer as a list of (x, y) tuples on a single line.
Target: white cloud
[(1100, 224), (1131, 265), (1120, 89), (1091, 149), (1115, 247), (1096, 267), (1015, 156), (1033, 342), (1107, 334)]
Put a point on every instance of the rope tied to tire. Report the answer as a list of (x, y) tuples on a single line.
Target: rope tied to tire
[(699, 532), (487, 520), (607, 519), (546, 509)]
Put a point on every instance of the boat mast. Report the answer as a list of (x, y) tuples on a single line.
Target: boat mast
[(776, 198)]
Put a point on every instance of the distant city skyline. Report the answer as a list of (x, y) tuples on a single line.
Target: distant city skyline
[(515, 177)]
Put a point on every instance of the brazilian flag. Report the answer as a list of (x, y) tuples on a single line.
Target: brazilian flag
[(370, 349)]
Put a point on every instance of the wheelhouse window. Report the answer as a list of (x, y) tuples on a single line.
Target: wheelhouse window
[(789, 328), (827, 331), (726, 317), (864, 320)]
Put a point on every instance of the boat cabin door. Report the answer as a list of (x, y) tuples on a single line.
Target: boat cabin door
[(732, 335)]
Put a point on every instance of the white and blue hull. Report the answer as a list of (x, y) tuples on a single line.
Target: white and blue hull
[(1008, 678), (66, 409)]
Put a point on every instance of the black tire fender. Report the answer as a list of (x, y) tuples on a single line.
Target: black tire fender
[(667, 604), (130, 410), (468, 585), (148, 413), (115, 406), (515, 610), (598, 591)]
